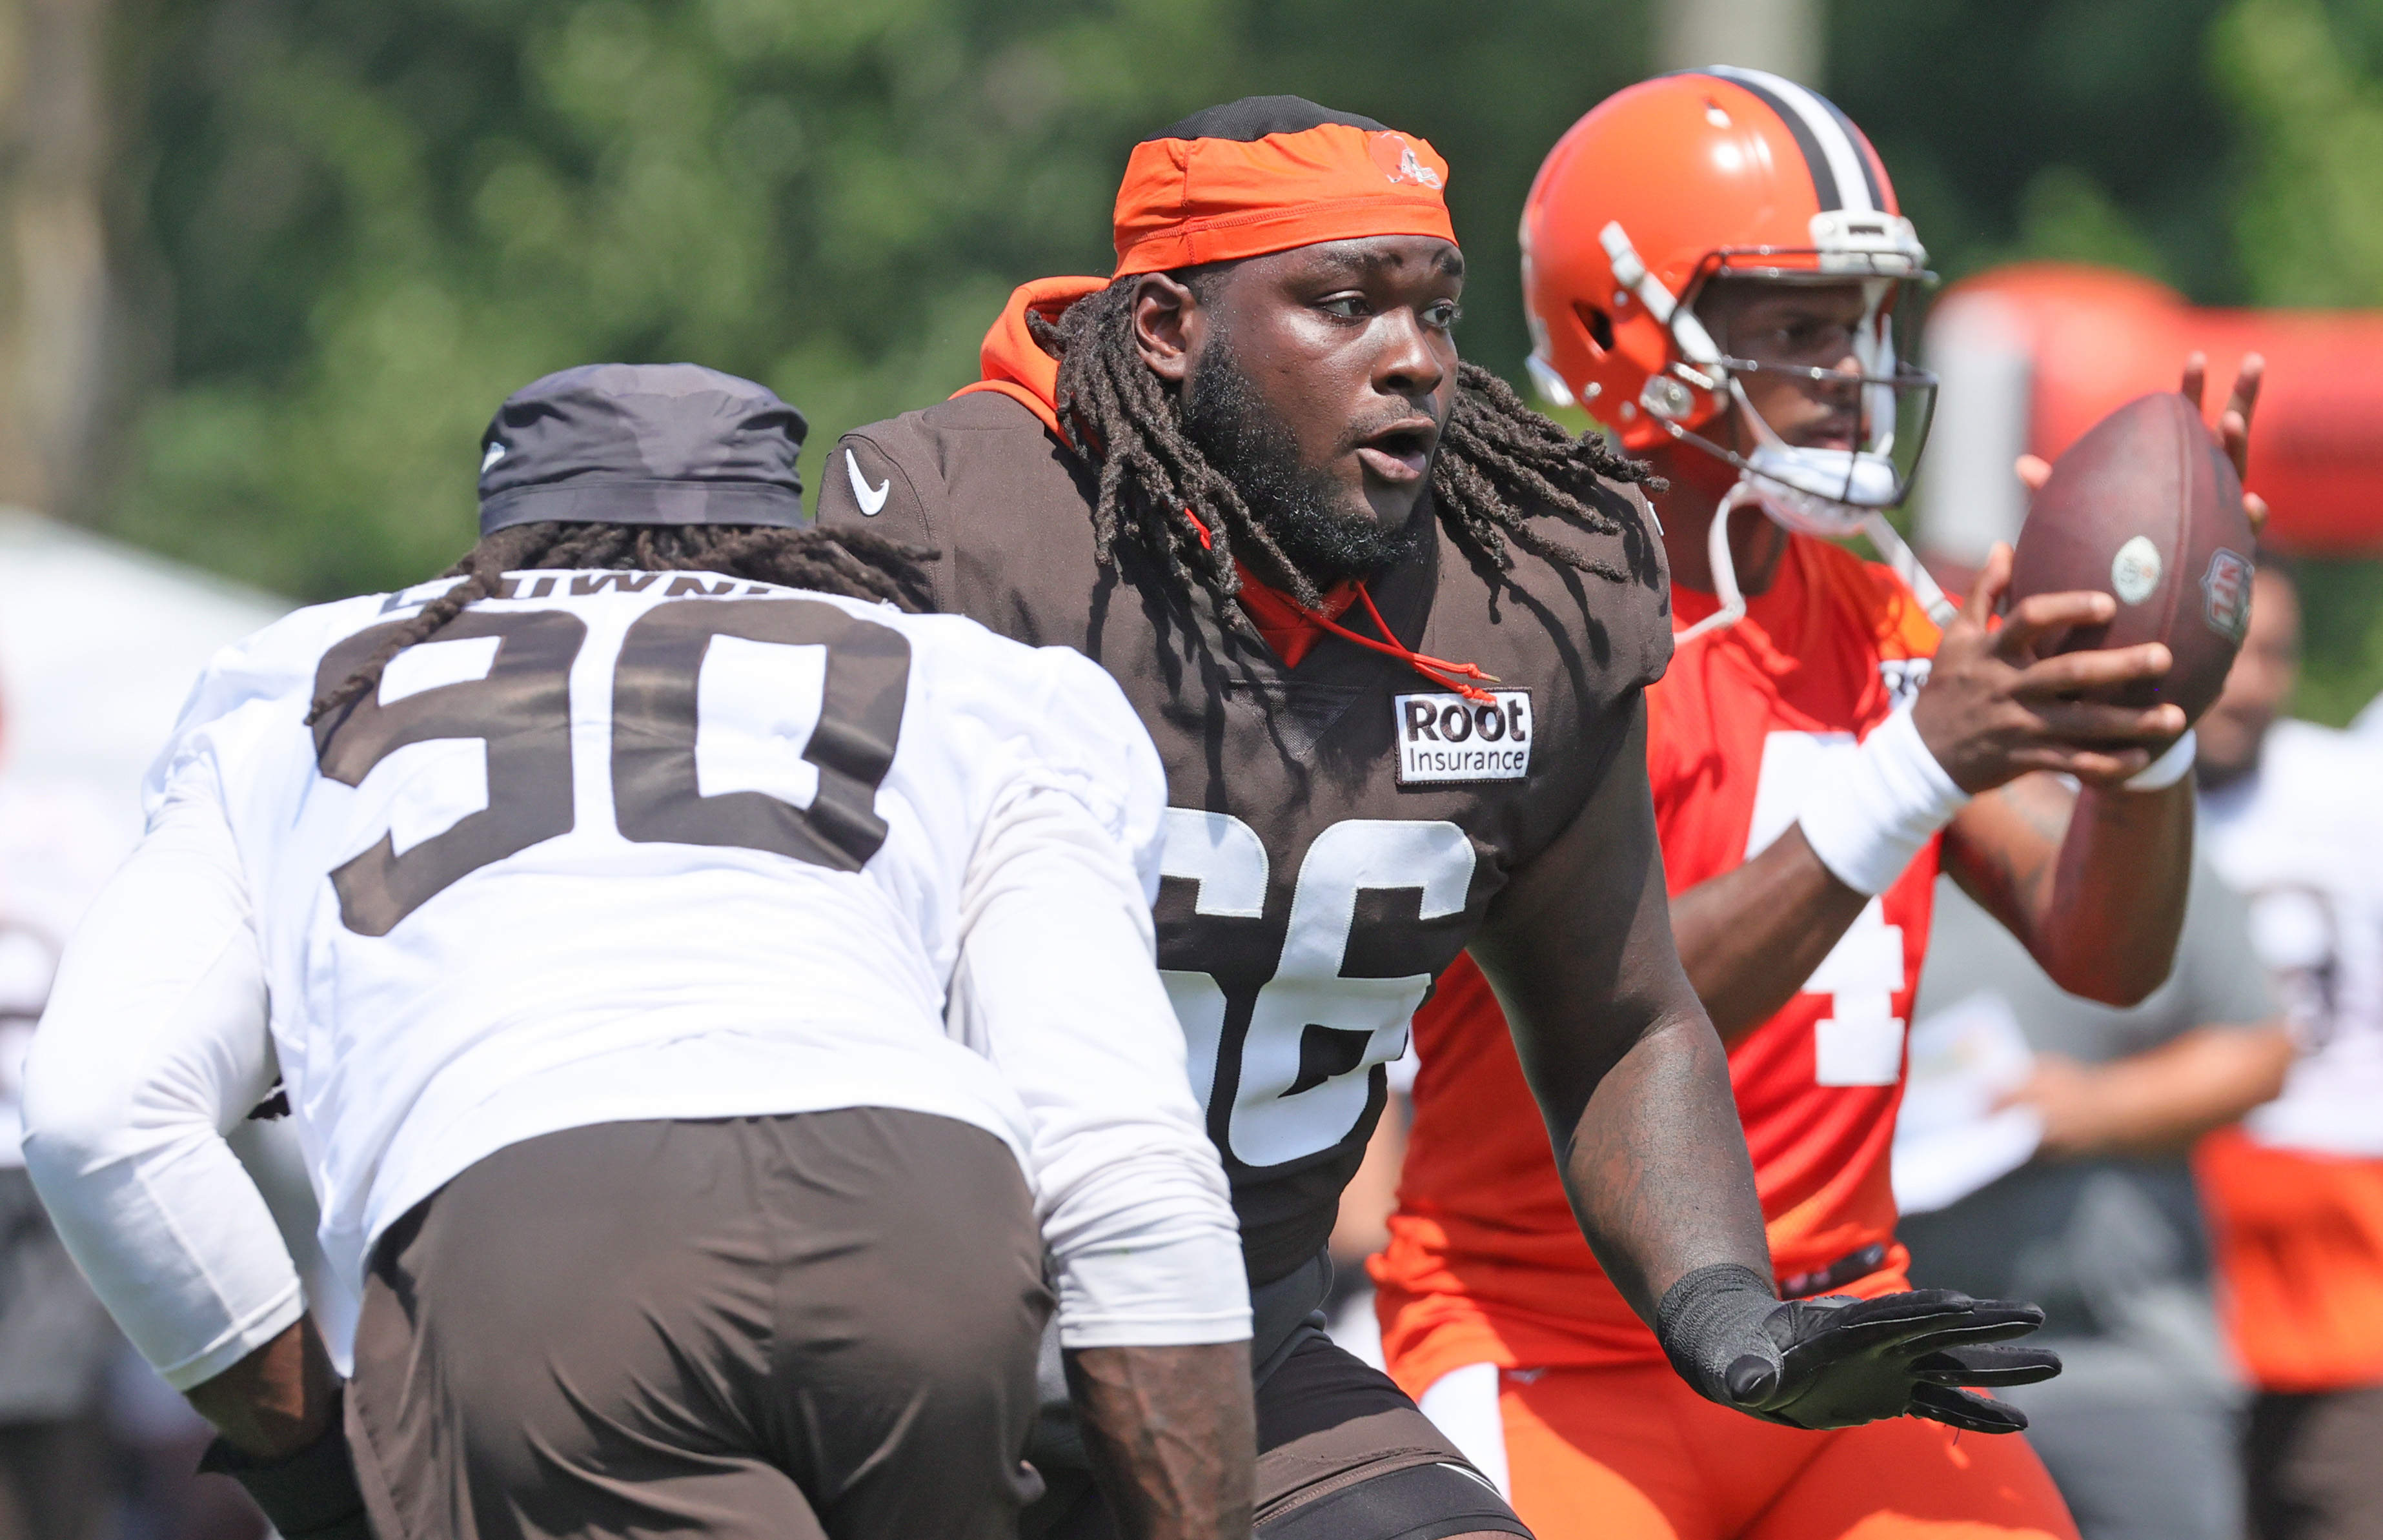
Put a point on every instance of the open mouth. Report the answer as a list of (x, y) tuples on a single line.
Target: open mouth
[(1838, 430), (1402, 453)]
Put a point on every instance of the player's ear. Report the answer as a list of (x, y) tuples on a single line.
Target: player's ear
[(1167, 320)]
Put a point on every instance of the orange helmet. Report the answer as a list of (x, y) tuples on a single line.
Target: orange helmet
[(1717, 173)]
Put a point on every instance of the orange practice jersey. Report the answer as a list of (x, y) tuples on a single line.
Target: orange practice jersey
[(1486, 1262), (2299, 1241)]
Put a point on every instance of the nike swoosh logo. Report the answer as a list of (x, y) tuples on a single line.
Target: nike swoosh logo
[(870, 498)]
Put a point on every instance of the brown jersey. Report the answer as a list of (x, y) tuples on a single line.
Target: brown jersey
[(1338, 830)]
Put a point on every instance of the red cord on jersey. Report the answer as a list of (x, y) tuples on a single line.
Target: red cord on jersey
[(1290, 628), (1439, 671)]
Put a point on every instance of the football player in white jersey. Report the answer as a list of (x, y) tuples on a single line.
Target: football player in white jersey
[(703, 990), (2295, 1194)]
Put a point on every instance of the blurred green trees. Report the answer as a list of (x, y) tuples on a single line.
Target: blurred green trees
[(2084, 130), (2305, 82), (360, 223), (379, 217)]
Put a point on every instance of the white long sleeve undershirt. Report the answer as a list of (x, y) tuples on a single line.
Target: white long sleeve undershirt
[(1055, 987), (155, 1047)]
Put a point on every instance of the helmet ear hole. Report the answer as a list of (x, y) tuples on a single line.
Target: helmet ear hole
[(1600, 325)]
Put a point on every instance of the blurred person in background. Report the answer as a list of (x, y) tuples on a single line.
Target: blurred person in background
[(2295, 1195), (58, 846), (2103, 1227)]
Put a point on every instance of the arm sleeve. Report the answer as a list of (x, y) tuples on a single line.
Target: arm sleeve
[(1057, 982), (155, 1044), (1058, 979)]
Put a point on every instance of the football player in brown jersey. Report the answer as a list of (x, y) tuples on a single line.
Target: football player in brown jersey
[(1390, 630)]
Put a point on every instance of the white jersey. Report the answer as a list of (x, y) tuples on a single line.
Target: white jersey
[(629, 845), (2302, 838)]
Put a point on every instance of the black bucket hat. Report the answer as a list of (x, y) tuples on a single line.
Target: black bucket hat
[(642, 444)]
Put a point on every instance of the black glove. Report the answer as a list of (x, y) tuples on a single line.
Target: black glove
[(312, 1495), (1838, 1361)]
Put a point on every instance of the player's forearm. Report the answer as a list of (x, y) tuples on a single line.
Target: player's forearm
[(1656, 1167), (2158, 1103), (1751, 937), (1173, 1436), (1627, 1067), (277, 1400), (2093, 883), (2118, 899)]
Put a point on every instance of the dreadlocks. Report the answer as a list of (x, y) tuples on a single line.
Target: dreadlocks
[(1497, 457), (854, 563)]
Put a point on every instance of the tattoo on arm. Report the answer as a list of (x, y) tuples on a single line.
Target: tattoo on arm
[(2005, 848)]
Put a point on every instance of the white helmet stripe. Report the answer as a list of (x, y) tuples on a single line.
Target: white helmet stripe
[(1820, 130), (1870, 174)]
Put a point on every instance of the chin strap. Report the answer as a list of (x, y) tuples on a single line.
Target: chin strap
[(1907, 566), (1724, 571), (1882, 534)]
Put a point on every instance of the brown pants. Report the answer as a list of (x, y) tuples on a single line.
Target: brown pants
[(818, 1324), (2315, 1465)]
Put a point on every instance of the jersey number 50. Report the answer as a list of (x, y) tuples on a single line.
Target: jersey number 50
[(518, 705)]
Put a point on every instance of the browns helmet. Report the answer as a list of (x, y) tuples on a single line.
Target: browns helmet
[(1712, 174)]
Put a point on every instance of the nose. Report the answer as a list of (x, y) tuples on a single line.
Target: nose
[(1407, 364), (1839, 392)]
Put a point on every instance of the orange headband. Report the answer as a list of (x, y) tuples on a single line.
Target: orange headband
[(1186, 202)]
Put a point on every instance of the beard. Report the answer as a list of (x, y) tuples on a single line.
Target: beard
[(1296, 502)]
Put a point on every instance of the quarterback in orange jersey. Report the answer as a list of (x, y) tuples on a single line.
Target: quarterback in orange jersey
[(1712, 261)]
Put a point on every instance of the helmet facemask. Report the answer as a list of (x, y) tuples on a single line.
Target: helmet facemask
[(1724, 175), (1833, 493)]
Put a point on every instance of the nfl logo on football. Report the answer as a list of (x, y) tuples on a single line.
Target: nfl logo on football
[(1450, 738), (2226, 590)]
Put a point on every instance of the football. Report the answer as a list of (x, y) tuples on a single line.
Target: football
[(2146, 508)]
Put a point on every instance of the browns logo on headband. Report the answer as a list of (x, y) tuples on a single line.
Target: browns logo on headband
[(1267, 174)]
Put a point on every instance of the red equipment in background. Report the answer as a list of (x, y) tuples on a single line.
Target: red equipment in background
[(2034, 354)]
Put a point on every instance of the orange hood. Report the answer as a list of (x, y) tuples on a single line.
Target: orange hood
[(1013, 363)]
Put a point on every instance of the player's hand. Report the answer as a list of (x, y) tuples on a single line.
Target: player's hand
[(2233, 428), (2234, 423), (1993, 709), (1840, 1361), (312, 1495), (2073, 1100)]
